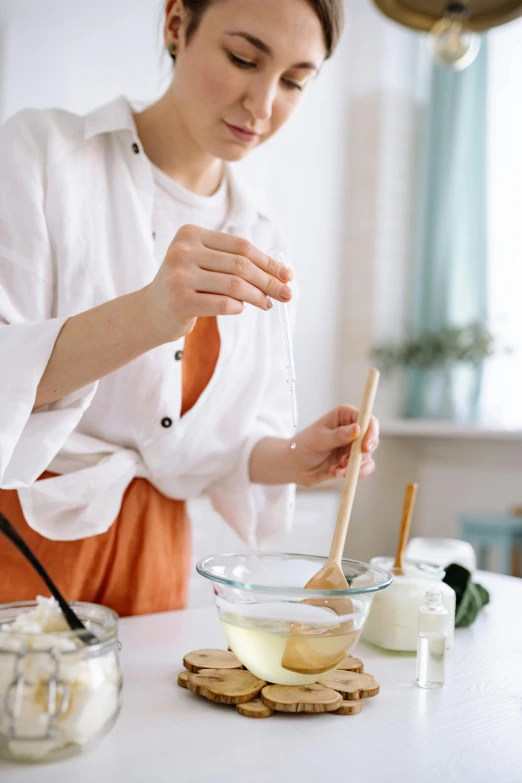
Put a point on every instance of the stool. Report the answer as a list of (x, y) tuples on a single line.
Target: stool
[(499, 531)]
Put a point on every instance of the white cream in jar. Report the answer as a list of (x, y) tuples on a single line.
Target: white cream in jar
[(57, 695), (394, 615)]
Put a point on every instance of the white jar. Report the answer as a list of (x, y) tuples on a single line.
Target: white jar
[(394, 615)]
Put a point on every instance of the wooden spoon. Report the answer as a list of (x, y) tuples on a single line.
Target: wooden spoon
[(301, 654), (407, 513), (331, 576)]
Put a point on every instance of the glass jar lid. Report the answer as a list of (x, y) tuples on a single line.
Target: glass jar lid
[(412, 569)]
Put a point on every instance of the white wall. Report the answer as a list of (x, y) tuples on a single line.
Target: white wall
[(77, 55)]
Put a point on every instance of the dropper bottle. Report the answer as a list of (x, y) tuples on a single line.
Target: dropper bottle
[(431, 641)]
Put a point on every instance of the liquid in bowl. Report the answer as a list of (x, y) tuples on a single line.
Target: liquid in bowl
[(261, 638)]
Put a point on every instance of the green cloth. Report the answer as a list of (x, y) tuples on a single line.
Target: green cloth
[(470, 597)]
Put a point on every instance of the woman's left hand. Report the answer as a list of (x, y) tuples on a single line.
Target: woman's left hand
[(322, 450)]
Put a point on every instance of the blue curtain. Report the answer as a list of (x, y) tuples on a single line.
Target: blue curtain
[(450, 258)]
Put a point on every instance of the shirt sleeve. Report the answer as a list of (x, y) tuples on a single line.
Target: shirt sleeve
[(260, 514), (28, 329)]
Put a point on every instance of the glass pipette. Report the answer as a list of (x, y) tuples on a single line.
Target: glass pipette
[(286, 334)]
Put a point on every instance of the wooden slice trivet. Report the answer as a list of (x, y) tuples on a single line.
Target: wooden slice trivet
[(341, 692), (351, 664), (211, 659), (350, 707), (226, 686), (255, 709), (301, 698), (352, 685)]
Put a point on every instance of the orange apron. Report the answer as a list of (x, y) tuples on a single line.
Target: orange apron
[(142, 563)]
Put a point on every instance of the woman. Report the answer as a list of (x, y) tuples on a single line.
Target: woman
[(134, 376)]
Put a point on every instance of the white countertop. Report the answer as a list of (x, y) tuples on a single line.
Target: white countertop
[(470, 731)]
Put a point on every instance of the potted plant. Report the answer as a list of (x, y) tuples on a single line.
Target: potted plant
[(444, 370)]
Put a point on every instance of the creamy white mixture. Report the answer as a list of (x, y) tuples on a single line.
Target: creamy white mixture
[(93, 682), (394, 616)]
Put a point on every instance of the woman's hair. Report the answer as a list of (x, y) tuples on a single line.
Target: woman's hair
[(329, 12)]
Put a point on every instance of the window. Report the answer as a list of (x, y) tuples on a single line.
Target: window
[(502, 391)]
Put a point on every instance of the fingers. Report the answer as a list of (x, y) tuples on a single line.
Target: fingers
[(236, 246), (232, 286), (240, 268), (347, 414), (371, 439), (213, 304), (367, 468), (341, 437), (242, 251)]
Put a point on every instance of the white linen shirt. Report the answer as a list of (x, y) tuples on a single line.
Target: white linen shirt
[(76, 205)]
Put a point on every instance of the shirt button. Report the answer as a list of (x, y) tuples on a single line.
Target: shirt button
[(166, 422), (135, 149), (178, 356)]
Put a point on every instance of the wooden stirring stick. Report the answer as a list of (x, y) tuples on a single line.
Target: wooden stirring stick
[(407, 513), (299, 655), (331, 573)]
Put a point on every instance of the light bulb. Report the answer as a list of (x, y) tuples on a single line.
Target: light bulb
[(452, 44)]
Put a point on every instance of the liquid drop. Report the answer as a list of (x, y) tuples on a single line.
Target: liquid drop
[(292, 445)]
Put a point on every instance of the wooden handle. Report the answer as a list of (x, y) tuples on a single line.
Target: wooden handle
[(353, 468), (407, 513)]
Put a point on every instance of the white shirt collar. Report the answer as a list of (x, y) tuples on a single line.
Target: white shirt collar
[(116, 117), (110, 118)]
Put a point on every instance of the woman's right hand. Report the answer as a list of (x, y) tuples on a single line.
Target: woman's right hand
[(209, 273)]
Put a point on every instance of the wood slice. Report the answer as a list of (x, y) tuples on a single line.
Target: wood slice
[(211, 659), (352, 685), (301, 698), (255, 709), (350, 664), (183, 679), (350, 707), (226, 686)]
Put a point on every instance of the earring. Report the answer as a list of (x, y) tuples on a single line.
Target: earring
[(172, 50)]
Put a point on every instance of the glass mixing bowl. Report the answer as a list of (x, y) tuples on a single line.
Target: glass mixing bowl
[(281, 632)]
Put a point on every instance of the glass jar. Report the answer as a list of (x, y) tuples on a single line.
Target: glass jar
[(393, 620), (58, 696)]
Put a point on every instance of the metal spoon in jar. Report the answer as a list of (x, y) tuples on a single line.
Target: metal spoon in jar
[(74, 622)]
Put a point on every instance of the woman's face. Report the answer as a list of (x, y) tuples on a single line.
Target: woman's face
[(244, 70)]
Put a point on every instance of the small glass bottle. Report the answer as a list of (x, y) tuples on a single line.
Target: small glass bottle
[(431, 641)]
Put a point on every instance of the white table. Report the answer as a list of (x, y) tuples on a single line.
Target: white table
[(470, 731)]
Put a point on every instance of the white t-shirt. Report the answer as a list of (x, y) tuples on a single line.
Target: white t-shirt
[(175, 206), (79, 207)]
